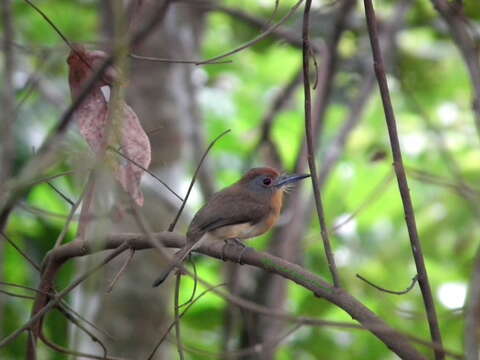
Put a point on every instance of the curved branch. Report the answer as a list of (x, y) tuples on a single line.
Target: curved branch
[(402, 292), (396, 341)]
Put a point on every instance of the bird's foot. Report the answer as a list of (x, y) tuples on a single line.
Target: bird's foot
[(237, 243)]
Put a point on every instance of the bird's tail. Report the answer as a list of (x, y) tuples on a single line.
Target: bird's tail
[(177, 261)]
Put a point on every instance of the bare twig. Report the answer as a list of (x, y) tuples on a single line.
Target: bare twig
[(410, 287), (63, 307), (258, 38), (177, 316), (464, 190), (147, 171), (277, 105), (131, 253), (192, 182), (311, 148), (195, 285), (41, 307), (169, 328), (85, 211), (69, 219), (330, 65), (256, 349), (402, 179), (369, 200), (61, 194), (21, 296), (172, 227), (51, 23), (49, 178), (92, 336), (20, 251), (36, 317), (177, 61), (79, 354), (280, 33), (451, 163)]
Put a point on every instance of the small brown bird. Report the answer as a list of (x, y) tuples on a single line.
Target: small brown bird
[(244, 210)]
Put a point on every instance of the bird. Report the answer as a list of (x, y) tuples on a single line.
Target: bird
[(244, 210)]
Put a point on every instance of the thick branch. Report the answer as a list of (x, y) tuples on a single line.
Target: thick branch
[(397, 342)]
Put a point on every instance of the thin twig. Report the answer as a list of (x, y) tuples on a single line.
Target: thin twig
[(410, 287), (195, 285), (21, 296), (311, 147), (74, 208), (147, 171), (169, 328), (64, 307), (177, 61), (121, 271), (51, 23), (74, 353), (192, 182), (281, 33), (35, 319), (258, 38), (92, 336), (177, 316), (59, 33), (20, 251), (369, 200), (88, 198), (172, 227), (402, 180), (256, 349), (61, 194), (278, 104), (49, 178)]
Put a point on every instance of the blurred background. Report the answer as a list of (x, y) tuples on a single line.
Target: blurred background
[(258, 94)]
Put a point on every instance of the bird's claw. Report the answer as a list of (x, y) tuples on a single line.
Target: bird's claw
[(237, 243), (223, 249)]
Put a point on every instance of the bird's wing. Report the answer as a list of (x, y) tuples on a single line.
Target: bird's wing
[(228, 208)]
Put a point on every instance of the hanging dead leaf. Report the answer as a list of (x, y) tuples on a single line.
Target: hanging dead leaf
[(105, 123)]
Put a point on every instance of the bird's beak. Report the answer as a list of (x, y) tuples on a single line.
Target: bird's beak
[(289, 179)]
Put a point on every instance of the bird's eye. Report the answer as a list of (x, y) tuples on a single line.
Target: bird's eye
[(267, 181)]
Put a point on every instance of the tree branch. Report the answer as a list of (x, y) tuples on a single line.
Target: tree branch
[(402, 179), (396, 341), (311, 148)]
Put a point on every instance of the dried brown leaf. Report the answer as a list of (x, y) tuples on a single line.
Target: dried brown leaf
[(94, 116)]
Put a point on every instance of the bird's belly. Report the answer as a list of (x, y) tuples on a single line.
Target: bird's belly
[(244, 230)]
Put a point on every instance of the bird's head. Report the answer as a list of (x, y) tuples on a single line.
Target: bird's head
[(269, 180)]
